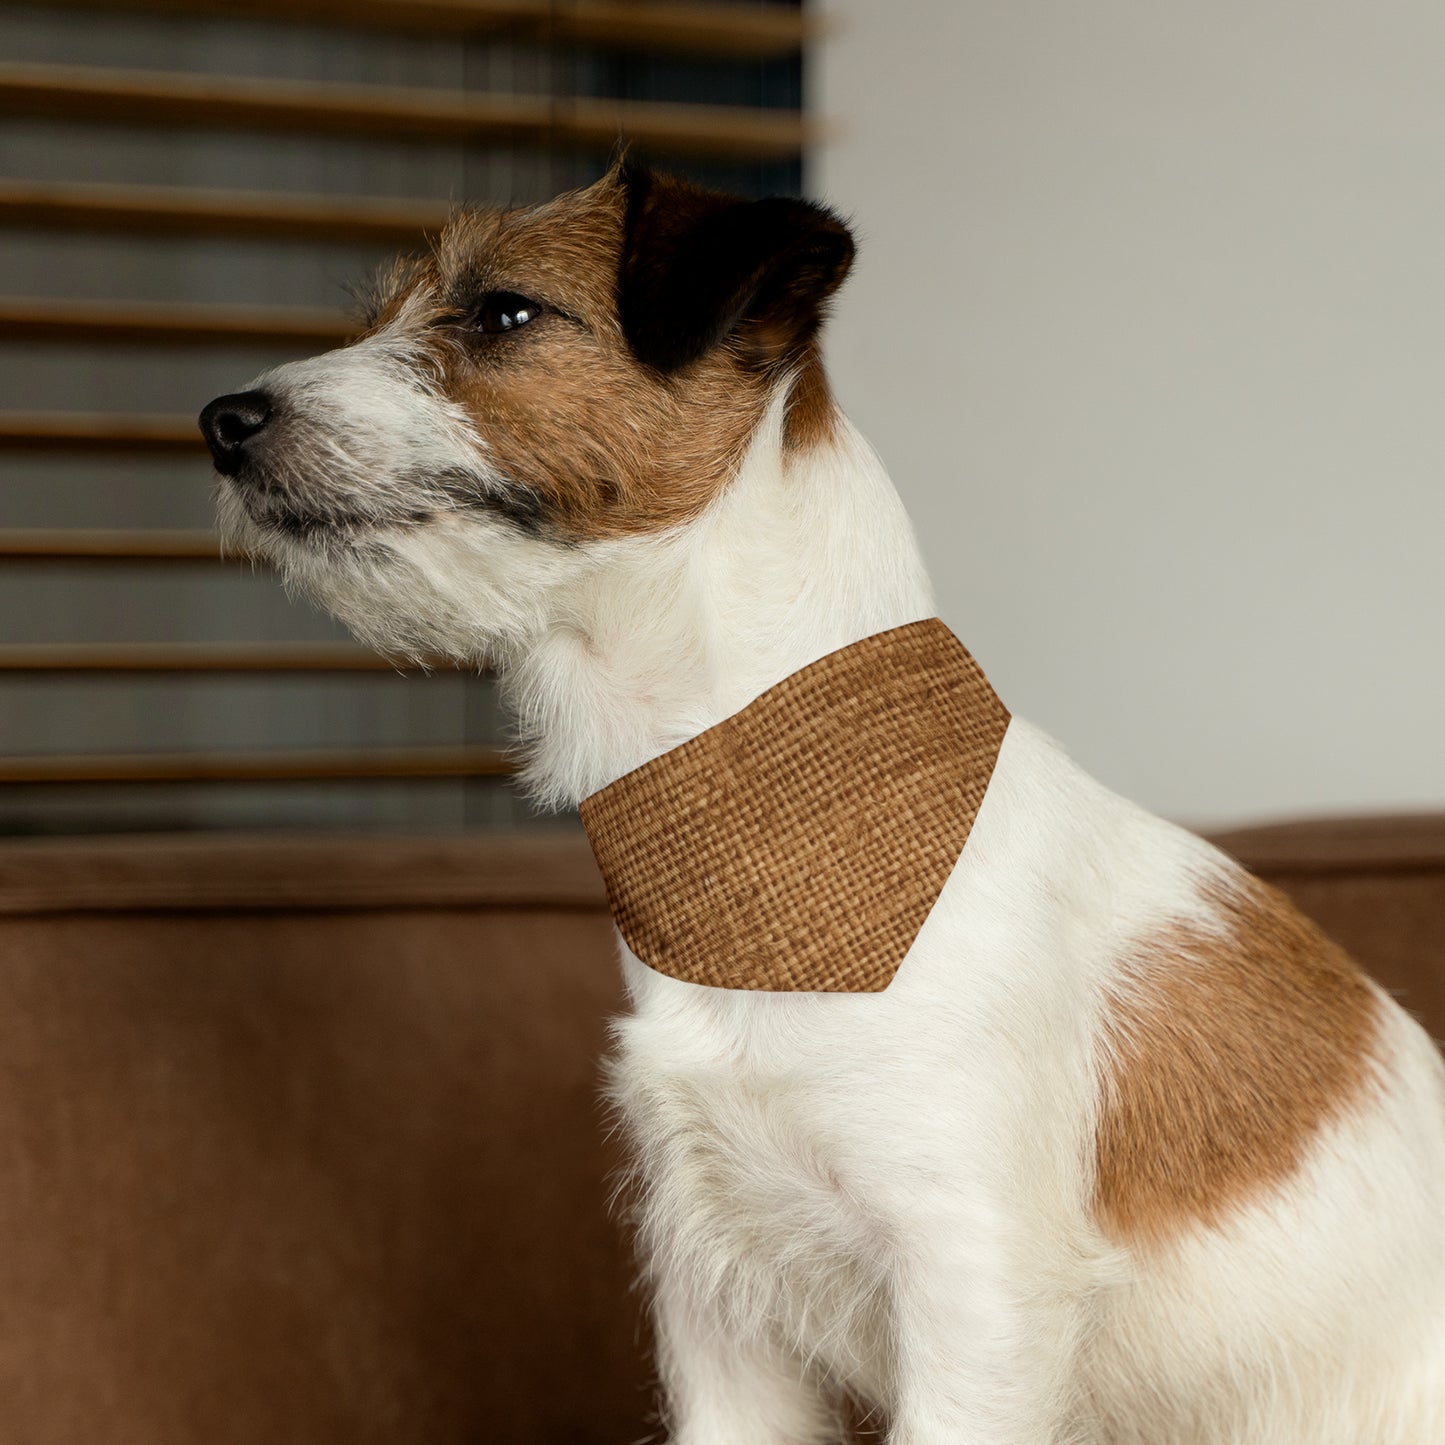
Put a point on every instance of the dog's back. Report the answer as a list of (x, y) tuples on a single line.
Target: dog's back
[(1123, 1110)]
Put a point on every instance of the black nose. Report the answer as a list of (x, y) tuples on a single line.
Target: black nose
[(229, 422)]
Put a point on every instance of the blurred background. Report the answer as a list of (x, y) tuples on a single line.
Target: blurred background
[(1149, 324), (1146, 323), (187, 191)]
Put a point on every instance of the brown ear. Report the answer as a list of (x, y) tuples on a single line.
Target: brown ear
[(699, 266)]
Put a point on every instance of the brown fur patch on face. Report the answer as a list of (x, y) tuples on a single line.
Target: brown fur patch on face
[(1226, 1053), (812, 417), (381, 300), (603, 445)]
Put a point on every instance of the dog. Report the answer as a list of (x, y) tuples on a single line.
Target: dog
[(1126, 1153)]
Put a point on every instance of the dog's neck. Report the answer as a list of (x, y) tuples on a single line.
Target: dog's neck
[(803, 554)]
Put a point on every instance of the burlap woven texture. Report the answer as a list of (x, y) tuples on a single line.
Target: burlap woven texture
[(799, 845)]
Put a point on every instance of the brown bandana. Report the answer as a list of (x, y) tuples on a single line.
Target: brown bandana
[(799, 844)]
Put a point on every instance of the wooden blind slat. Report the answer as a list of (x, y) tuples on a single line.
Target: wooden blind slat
[(756, 32), (171, 323), (216, 102), (112, 97), (76, 544), (77, 431), (258, 767), (175, 210), (709, 29), (134, 657)]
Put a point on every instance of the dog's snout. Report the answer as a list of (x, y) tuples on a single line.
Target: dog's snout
[(229, 422)]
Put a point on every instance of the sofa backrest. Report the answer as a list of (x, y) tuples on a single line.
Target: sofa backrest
[(303, 1142), (302, 1139)]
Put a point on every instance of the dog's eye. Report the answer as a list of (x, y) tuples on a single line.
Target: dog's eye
[(504, 311)]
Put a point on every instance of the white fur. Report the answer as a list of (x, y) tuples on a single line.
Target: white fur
[(890, 1193)]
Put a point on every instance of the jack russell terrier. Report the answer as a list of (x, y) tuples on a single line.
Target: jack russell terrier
[(956, 1085)]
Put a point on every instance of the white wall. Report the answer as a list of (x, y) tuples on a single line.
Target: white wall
[(1149, 323)]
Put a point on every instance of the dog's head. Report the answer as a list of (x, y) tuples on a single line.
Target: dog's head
[(546, 384)]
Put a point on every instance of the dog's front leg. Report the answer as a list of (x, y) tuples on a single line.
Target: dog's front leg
[(723, 1387), (984, 1350)]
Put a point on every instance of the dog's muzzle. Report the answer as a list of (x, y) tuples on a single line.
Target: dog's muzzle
[(230, 422)]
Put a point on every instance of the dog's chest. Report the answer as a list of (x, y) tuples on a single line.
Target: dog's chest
[(745, 1183)]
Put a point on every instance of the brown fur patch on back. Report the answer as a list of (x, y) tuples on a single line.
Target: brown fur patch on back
[(1227, 1052)]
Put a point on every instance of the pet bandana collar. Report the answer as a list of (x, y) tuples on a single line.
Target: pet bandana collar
[(799, 844)]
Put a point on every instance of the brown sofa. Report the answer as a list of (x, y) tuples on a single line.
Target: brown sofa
[(301, 1140)]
